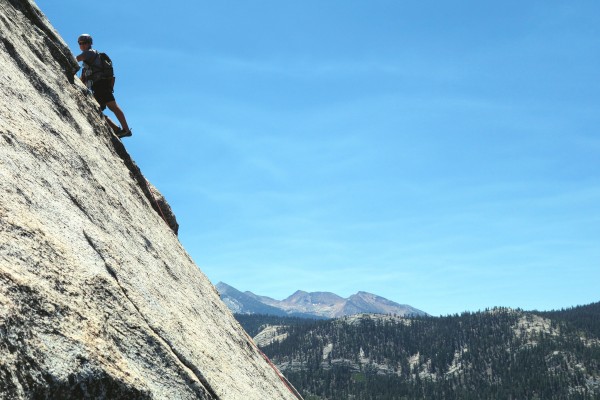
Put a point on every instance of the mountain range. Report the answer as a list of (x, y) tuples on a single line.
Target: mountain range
[(312, 305)]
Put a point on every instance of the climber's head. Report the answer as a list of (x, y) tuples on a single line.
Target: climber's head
[(85, 40)]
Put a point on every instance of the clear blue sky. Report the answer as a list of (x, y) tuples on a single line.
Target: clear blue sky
[(440, 154)]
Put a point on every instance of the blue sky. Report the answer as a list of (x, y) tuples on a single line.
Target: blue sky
[(440, 154)]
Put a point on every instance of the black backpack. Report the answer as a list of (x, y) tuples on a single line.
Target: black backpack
[(105, 68)]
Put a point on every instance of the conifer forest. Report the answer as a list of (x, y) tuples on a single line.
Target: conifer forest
[(493, 354)]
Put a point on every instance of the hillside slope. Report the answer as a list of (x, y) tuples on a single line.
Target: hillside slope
[(496, 354), (98, 299)]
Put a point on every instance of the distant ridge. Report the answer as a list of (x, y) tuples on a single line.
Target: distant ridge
[(499, 353), (312, 305), (249, 303)]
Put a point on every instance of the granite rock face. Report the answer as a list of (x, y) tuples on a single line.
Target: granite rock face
[(98, 299)]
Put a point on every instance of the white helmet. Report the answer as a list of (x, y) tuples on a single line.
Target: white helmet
[(85, 38)]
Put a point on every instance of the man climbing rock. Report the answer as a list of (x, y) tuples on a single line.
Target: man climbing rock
[(98, 76)]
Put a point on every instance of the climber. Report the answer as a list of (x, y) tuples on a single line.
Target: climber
[(95, 76)]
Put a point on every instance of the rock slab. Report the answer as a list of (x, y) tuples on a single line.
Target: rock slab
[(98, 299)]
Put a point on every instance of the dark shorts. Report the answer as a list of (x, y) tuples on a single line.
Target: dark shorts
[(103, 92)]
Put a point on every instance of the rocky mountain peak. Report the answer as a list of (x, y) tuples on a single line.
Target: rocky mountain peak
[(98, 298), (297, 296), (315, 304), (302, 297)]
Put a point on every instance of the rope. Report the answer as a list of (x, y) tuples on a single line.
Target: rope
[(287, 383), (156, 202)]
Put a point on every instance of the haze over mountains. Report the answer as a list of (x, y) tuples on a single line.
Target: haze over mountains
[(312, 305)]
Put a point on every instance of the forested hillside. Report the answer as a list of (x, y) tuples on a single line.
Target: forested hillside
[(254, 324), (586, 318), (494, 354)]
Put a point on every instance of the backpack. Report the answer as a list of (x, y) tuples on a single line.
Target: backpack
[(103, 69), (106, 68)]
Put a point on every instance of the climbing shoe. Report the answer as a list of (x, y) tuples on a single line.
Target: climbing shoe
[(121, 133)]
